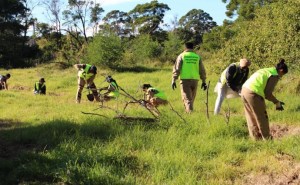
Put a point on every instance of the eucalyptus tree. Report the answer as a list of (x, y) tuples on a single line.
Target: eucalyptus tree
[(77, 17), (147, 18), (245, 9), (117, 22), (96, 12), (194, 24)]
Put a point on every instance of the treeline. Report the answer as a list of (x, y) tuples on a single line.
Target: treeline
[(263, 31)]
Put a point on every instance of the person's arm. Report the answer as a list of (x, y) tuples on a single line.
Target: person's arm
[(271, 83), (202, 71), (176, 68), (5, 85), (79, 66)]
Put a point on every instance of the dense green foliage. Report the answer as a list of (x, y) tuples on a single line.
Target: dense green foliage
[(272, 34), (105, 51)]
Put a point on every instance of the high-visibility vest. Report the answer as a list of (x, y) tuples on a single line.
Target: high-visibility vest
[(160, 94), (37, 86), (258, 81), (116, 92), (190, 66), (85, 72), (223, 75)]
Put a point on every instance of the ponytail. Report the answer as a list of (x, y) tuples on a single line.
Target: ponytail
[(282, 66)]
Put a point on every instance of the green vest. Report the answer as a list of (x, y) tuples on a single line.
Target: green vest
[(116, 92), (223, 75), (85, 72), (258, 81), (37, 87), (159, 93), (190, 66)]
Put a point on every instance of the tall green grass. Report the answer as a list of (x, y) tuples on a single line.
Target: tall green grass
[(48, 140)]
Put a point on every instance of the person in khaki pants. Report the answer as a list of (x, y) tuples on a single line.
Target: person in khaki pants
[(189, 68), (258, 87), (86, 74)]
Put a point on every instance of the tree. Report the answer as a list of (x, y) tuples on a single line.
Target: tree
[(117, 22), (194, 24), (245, 8), (105, 51), (148, 17), (76, 16), (13, 14), (96, 12)]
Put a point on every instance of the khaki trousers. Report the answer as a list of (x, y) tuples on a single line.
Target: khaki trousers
[(188, 93), (81, 82), (256, 115)]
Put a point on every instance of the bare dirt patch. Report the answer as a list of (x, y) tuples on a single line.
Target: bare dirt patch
[(279, 131), (290, 174), (21, 88)]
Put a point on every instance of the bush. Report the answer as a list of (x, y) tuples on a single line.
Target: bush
[(105, 51)]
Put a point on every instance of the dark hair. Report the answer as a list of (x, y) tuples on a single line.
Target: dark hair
[(282, 66), (146, 86), (109, 79), (94, 68), (8, 75), (189, 45)]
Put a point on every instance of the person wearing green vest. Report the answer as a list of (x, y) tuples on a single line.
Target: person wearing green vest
[(231, 81), (189, 69), (258, 87), (112, 89), (3, 81), (86, 74), (40, 87), (153, 96)]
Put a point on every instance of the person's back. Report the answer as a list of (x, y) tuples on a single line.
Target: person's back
[(40, 87)]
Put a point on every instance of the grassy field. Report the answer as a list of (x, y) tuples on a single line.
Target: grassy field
[(48, 140)]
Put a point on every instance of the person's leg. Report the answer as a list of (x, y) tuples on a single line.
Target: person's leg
[(251, 121), (81, 83), (258, 114), (186, 95), (220, 98), (94, 91), (194, 85)]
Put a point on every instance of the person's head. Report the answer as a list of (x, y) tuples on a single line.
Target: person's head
[(146, 86), (281, 67), (189, 45), (93, 69), (42, 80), (7, 75), (244, 63), (109, 79)]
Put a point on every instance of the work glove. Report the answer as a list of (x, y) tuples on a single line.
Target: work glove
[(279, 106), (203, 86), (174, 85)]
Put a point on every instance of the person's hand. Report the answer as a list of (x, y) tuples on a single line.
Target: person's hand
[(279, 106), (174, 85), (203, 86)]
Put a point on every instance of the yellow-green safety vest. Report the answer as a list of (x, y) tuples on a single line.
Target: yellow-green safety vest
[(223, 75), (258, 81), (85, 72), (160, 93), (190, 66), (116, 92), (37, 86)]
